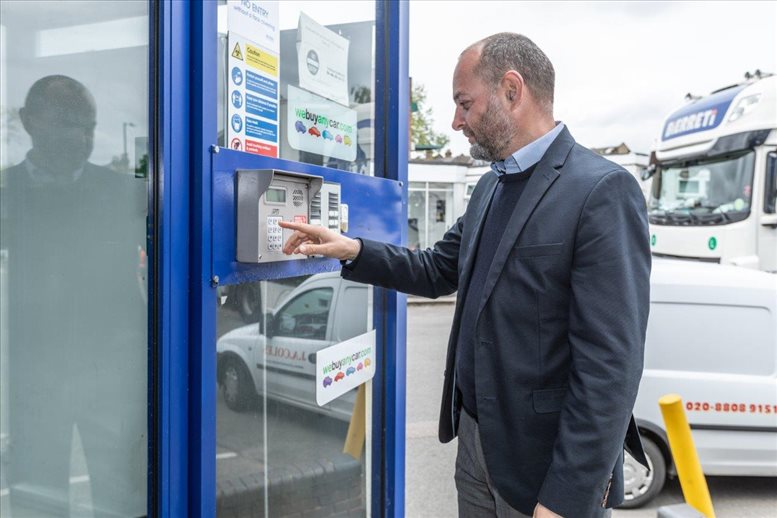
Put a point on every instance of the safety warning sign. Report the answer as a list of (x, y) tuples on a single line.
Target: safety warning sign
[(254, 75), (236, 52)]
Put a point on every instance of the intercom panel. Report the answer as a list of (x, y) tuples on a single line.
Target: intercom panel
[(265, 197)]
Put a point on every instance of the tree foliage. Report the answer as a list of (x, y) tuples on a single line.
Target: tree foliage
[(421, 120)]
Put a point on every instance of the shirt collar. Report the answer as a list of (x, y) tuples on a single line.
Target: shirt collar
[(528, 155), (42, 176)]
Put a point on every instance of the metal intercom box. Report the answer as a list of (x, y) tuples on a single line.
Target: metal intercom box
[(264, 198)]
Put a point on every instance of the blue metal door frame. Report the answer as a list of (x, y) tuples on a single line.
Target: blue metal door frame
[(169, 259), (185, 257)]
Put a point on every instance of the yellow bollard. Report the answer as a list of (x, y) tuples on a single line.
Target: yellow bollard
[(686, 460)]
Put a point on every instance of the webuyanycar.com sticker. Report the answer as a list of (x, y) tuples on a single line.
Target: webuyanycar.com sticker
[(318, 125), (344, 366)]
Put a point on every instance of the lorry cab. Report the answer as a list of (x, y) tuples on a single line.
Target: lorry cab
[(712, 339), (715, 178)]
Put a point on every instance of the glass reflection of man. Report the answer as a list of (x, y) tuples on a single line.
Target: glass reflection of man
[(77, 326)]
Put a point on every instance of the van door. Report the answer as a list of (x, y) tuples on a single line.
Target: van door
[(299, 330), (712, 339)]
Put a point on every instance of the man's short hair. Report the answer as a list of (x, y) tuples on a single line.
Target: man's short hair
[(505, 51), (58, 91)]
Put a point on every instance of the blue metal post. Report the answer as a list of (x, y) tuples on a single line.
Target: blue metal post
[(392, 85), (202, 451), (168, 260)]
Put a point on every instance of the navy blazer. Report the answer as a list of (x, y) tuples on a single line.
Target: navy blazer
[(560, 330)]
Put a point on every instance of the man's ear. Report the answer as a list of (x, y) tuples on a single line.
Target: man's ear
[(512, 83), (24, 115)]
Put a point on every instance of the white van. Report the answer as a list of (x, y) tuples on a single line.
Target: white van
[(322, 311), (712, 339)]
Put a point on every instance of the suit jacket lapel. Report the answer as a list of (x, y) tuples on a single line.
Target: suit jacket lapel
[(542, 178)]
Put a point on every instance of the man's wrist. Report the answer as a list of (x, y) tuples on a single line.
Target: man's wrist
[(356, 247)]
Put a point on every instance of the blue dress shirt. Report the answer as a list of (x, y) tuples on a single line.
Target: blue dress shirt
[(528, 155)]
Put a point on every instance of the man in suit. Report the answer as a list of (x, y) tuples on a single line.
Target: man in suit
[(552, 264)]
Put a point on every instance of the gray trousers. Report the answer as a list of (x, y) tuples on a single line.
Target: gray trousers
[(477, 496)]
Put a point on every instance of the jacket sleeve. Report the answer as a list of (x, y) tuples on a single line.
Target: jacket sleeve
[(609, 305), (427, 273)]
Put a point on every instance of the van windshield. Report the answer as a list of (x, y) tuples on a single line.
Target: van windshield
[(708, 192)]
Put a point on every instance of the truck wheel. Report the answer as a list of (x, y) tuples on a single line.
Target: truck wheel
[(237, 385), (642, 485)]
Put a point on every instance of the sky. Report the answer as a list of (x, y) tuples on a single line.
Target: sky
[(621, 67)]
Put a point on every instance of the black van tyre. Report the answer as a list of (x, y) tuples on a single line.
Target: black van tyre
[(249, 302), (237, 385), (642, 486)]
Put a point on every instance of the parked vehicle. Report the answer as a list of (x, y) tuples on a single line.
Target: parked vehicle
[(280, 352), (714, 191), (712, 339)]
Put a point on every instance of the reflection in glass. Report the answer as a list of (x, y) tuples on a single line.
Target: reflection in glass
[(73, 433), (278, 452)]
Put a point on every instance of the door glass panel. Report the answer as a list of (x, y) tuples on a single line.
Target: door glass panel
[(73, 291), (318, 107), (278, 453)]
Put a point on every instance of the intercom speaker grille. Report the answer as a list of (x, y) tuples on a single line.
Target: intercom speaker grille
[(334, 201), (315, 207), (297, 197)]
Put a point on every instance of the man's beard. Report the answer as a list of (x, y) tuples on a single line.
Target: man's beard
[(493, 135)]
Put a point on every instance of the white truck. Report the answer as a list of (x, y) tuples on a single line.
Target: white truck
[(712, 338), (714, 170)]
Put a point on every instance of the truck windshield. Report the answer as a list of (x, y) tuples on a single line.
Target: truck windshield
[(703, 192)]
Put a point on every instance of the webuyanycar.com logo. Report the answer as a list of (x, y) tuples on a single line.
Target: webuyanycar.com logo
[(323, 127), (339, 364)]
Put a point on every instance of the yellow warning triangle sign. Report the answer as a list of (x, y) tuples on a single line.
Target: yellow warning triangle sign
[(236, 52)]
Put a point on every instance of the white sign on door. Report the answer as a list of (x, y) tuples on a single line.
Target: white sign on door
[(257, 21), (344, 366), (322, 57), (320, 126)]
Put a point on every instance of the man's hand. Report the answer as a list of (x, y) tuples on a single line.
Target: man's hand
[(316, 240), (540, 511)]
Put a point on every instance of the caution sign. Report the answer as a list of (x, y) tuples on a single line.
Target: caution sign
[(236, 52), (253, 98), (261, 60)]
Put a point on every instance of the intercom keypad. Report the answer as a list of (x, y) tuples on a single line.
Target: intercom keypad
[(274, 234)]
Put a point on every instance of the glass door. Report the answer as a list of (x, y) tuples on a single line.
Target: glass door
[(295, 92), (73, 288)]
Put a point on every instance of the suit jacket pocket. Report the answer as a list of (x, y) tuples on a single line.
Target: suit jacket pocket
[(546, 401), (538, 250)]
